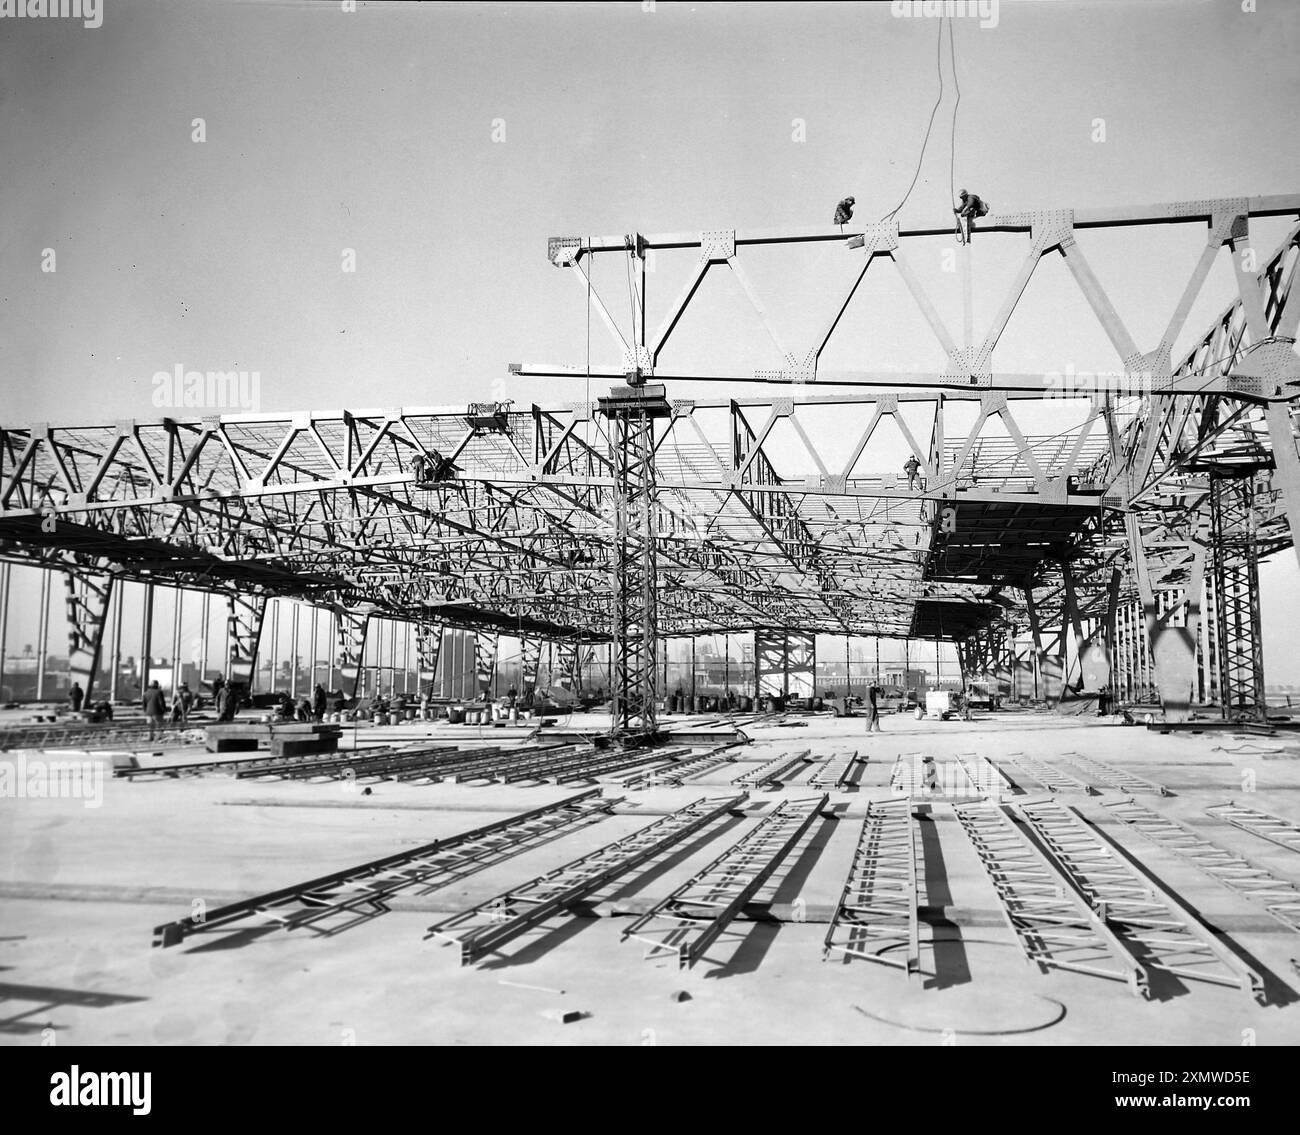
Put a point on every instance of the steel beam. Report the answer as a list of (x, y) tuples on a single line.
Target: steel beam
[(685, 924), (486, 928)]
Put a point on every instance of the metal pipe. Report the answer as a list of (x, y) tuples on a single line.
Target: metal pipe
[(4, 623), (42, 635), (293, 652), (146, 638), (205, 615), (177, 609), (115, 651)]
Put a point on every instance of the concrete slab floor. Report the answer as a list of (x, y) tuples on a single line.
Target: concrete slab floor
[(81, 889)]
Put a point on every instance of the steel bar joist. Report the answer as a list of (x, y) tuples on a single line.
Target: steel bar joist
[(836, 771), (88, 595), (1284, 833), (486, 928), (771, 772), (1280, 897), (1054, 925), (876, 916), (679, 772), (686, 923), (1051, 777), (486, 644), (360, 892), (1236, 594), (1112, 777), (1158, 928), (244, 616), (428, 648), (350, 627)]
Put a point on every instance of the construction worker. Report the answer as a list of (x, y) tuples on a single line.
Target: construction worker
[(912, 467), (873, 709), (971, 206), (155, 709), (419, 469), (76, 696), (929, 775), (844, 211)]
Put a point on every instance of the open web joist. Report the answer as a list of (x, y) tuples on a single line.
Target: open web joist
[(486, 928), (689, 921), (360, 892)]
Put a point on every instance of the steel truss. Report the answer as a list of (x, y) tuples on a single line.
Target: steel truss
[(1055, 927), (632, 417), (834, 772), (876, 917), (525, 539), (362, 892), (686, 923), (1280, 897), (678, 772), (771, 772), (1113, 777), (1156, 926), (985, 777), (486, 928), (1051, 777), (1284, 833), (1236, 596)]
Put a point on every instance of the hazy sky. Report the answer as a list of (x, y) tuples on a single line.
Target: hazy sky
[(444, 143)]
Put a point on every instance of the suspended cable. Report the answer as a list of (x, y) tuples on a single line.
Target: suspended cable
[(938, 56)]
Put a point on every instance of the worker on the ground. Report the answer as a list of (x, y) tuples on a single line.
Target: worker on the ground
[(844, 211), (155, 709), (873, 709), (971, 206), (912, 467), (929, 775)]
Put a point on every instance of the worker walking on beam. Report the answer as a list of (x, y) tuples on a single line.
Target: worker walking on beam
[(970, 207)]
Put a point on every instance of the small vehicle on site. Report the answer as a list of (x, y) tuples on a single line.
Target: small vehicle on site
[(944, 704), (982, 695)]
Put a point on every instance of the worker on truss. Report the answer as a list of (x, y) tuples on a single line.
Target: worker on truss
[(844, 211), (912, 467), (972, 206)]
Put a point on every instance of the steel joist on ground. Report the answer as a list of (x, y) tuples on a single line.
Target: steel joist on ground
[(1280, 897), (686, 923), (1159, 929), (771, 771), (876, 917), (1114, 777), (835, 772), (676, 771), (1051, 777), (1055, 926), (487, 927), (361, 891), (1285, 833), (986, 778)]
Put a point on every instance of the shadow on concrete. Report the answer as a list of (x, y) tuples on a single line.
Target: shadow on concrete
[(649, 871), (50, 997), (951, 966), (549, 936)]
